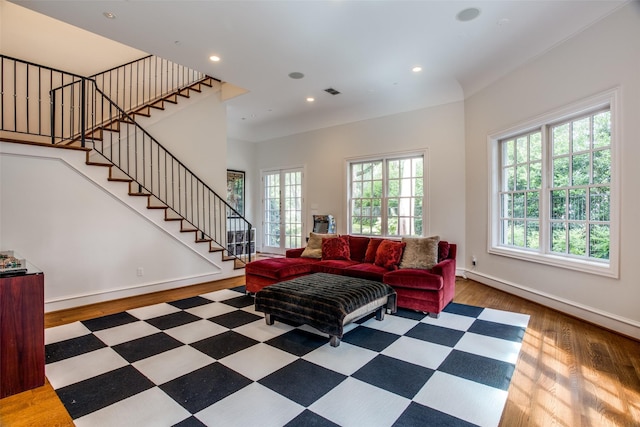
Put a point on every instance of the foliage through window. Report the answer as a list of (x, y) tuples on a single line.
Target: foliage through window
[(554, 191), (386, 196)]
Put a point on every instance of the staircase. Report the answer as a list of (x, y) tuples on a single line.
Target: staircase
[(101, 115)]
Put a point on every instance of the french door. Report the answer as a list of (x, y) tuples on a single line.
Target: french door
[(282, 210)]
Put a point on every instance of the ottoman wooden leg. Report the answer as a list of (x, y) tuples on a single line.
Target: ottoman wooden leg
[(335, 341), (268, 319), (380, 313)]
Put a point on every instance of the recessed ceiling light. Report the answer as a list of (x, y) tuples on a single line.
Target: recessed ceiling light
[(214, 58), (468, 14), (296, 75), (416, 69), (310, 99), (109, 15)]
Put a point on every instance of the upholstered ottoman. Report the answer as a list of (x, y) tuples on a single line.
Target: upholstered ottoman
[(325, 301)]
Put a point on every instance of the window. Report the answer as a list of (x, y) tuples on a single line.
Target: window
[(554, 192), (386, 196)]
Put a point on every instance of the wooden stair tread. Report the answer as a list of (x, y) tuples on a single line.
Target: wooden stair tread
[(120, 179)]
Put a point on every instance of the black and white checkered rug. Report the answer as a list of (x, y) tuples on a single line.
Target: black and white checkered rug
[(211, 360)]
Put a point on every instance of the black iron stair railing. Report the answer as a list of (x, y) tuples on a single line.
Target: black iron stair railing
[(63, 107)]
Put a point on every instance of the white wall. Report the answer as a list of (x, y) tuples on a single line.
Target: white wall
[(195, 132), (88, 242), (439, 129), (602, 57)]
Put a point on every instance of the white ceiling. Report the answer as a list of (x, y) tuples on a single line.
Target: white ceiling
[(364, 49)]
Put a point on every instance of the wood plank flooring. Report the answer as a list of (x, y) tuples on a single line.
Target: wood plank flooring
[(570, 373)]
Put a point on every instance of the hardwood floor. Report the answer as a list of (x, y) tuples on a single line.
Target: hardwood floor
[(569, 373)]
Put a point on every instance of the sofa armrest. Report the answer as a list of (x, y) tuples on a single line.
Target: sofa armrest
[(447, 269), (294, 253)]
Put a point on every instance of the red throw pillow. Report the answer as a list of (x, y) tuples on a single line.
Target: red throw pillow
[(443, 250), (358, 247), (372, 248), (389, 254), (336, 248)]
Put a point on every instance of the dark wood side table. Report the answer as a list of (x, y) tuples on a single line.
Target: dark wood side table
[(21, 332)]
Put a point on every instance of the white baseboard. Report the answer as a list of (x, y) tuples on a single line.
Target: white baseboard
[(71, 301), (613, 322)]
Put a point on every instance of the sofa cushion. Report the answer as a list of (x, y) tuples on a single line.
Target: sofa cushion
[(358, 247), (366, 271), (420, 252), (314, 245), (280, 268), (414, 278), (389, 254), (372, 248), (332, 266), (336, 248)]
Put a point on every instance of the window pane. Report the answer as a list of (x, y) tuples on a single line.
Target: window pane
[(509, 179), (394, 169), (561, 139), (506, 205), (580, 169), (558, 204), (518, 233), (535, 146), (599, 237), (602, 167), (578, 204), (533, 204), (357, 189), (577, 239), (558, 237), (581, 135), (518, 205), (602, 129), (521, 150), (599, 204), (521, 177), (560, 172), (508, 153), (535, 175), (507, 232), (533, 235)]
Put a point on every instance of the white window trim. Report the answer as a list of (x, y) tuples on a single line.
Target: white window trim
[(426, 205), (610, 269)]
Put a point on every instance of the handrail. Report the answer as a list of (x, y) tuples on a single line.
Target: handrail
[(143, 81), (65, 107)]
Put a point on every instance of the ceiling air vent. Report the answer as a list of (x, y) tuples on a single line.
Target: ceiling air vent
[(332, 91)]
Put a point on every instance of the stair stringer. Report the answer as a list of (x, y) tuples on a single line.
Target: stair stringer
[(124, 130)]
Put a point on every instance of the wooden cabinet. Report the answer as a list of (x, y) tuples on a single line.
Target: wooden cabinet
[(21, 333)]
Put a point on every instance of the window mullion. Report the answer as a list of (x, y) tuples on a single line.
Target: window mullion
[(384, 212), (545, 193)]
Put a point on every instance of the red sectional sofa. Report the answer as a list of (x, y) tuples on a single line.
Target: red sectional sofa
[(426, 290)]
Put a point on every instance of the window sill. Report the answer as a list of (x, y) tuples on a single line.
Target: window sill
[(607, 269)]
